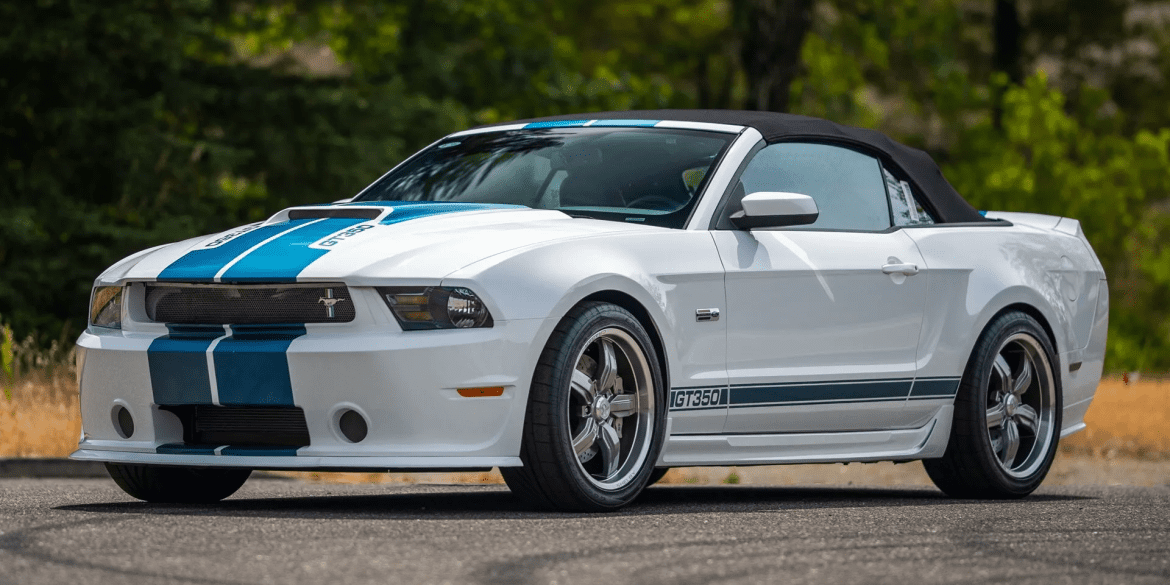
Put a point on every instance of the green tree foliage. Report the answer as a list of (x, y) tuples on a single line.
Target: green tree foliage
[(131, 124), (1045, 159)]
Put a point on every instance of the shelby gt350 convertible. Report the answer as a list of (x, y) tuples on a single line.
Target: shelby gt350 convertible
[(586, 301)]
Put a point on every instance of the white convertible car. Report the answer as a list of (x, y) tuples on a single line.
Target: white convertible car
[(586, 301)]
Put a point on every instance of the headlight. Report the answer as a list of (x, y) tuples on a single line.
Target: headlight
[(105, 309), (435, 307)]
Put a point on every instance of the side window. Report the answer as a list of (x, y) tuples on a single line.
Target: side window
[(907, 210), (846, 184)]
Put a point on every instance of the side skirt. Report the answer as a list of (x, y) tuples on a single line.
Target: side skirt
[(925, 442)]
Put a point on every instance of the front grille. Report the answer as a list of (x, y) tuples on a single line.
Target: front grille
[(267, 304), (261, 426)]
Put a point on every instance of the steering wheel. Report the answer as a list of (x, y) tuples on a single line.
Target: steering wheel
[(652, 201)]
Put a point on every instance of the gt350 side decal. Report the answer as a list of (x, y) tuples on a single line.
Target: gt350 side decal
[(698, 398), (847, 391)]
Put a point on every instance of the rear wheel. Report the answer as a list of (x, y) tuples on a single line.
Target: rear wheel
[(593, 425), (1007, 415), (177, 485)]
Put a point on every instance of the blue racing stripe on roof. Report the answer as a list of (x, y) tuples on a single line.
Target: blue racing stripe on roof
[(556, 124), (628, 123)]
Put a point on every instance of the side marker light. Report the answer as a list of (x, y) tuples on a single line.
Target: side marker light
[(479, 392)]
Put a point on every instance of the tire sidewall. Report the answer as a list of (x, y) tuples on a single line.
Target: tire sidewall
[(601, 317), (1005, 327)]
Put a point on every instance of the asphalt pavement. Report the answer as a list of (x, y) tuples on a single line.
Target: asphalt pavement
[(283, 531)]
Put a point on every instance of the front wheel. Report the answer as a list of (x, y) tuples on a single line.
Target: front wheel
[(161, 484), (1007, 415), (594, 422)]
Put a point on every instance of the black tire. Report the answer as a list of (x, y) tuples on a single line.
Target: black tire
[(162, 484), (659, 473), (980, 461), (554, 475)]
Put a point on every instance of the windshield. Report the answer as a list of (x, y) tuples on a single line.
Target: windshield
[(645, 175)]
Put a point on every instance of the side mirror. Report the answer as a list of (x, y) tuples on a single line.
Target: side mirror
[(768, 209)]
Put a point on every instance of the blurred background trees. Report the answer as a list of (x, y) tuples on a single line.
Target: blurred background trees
[(130, 124)]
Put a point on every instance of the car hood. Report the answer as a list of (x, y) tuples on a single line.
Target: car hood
[(360, 243)]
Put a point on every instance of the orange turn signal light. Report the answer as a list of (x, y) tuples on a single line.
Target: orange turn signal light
[(478, 392)]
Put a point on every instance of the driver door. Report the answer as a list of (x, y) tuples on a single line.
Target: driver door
[(823, 320)]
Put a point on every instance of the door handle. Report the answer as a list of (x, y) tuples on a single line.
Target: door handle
[(907, 269)]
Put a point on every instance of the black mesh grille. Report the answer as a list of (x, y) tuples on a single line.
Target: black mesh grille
[(266, 426), (248, 304)]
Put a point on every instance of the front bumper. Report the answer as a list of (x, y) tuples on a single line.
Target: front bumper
[(403, 383)]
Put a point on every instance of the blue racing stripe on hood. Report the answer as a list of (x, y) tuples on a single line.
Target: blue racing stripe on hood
[(203, 263), (283, 258), (280, 252)]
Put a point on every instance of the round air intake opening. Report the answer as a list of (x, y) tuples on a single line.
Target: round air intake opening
[(123, 422), (353, 426)]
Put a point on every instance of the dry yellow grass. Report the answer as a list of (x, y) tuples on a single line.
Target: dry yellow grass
[(42, 418), (1128, 441), (1131, 420)]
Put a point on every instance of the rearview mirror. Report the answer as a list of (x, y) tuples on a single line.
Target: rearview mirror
[(771, 209)]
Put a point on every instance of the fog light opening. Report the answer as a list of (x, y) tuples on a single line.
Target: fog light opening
[(353, 427), (123, 422)]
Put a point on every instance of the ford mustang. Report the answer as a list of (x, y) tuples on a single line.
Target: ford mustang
[(587, 301)]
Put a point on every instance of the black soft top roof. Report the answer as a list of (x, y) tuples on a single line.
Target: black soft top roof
[(919, 168)]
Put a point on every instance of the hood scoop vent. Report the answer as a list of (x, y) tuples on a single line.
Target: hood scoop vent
[(363, 212), (341, 212)]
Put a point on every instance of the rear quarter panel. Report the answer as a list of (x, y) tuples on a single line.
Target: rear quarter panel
[(976, 272)]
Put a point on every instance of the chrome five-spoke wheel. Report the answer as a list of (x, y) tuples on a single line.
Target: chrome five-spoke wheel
[(595, 417), (1006, 416), (1020, 404), (611, 408)]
